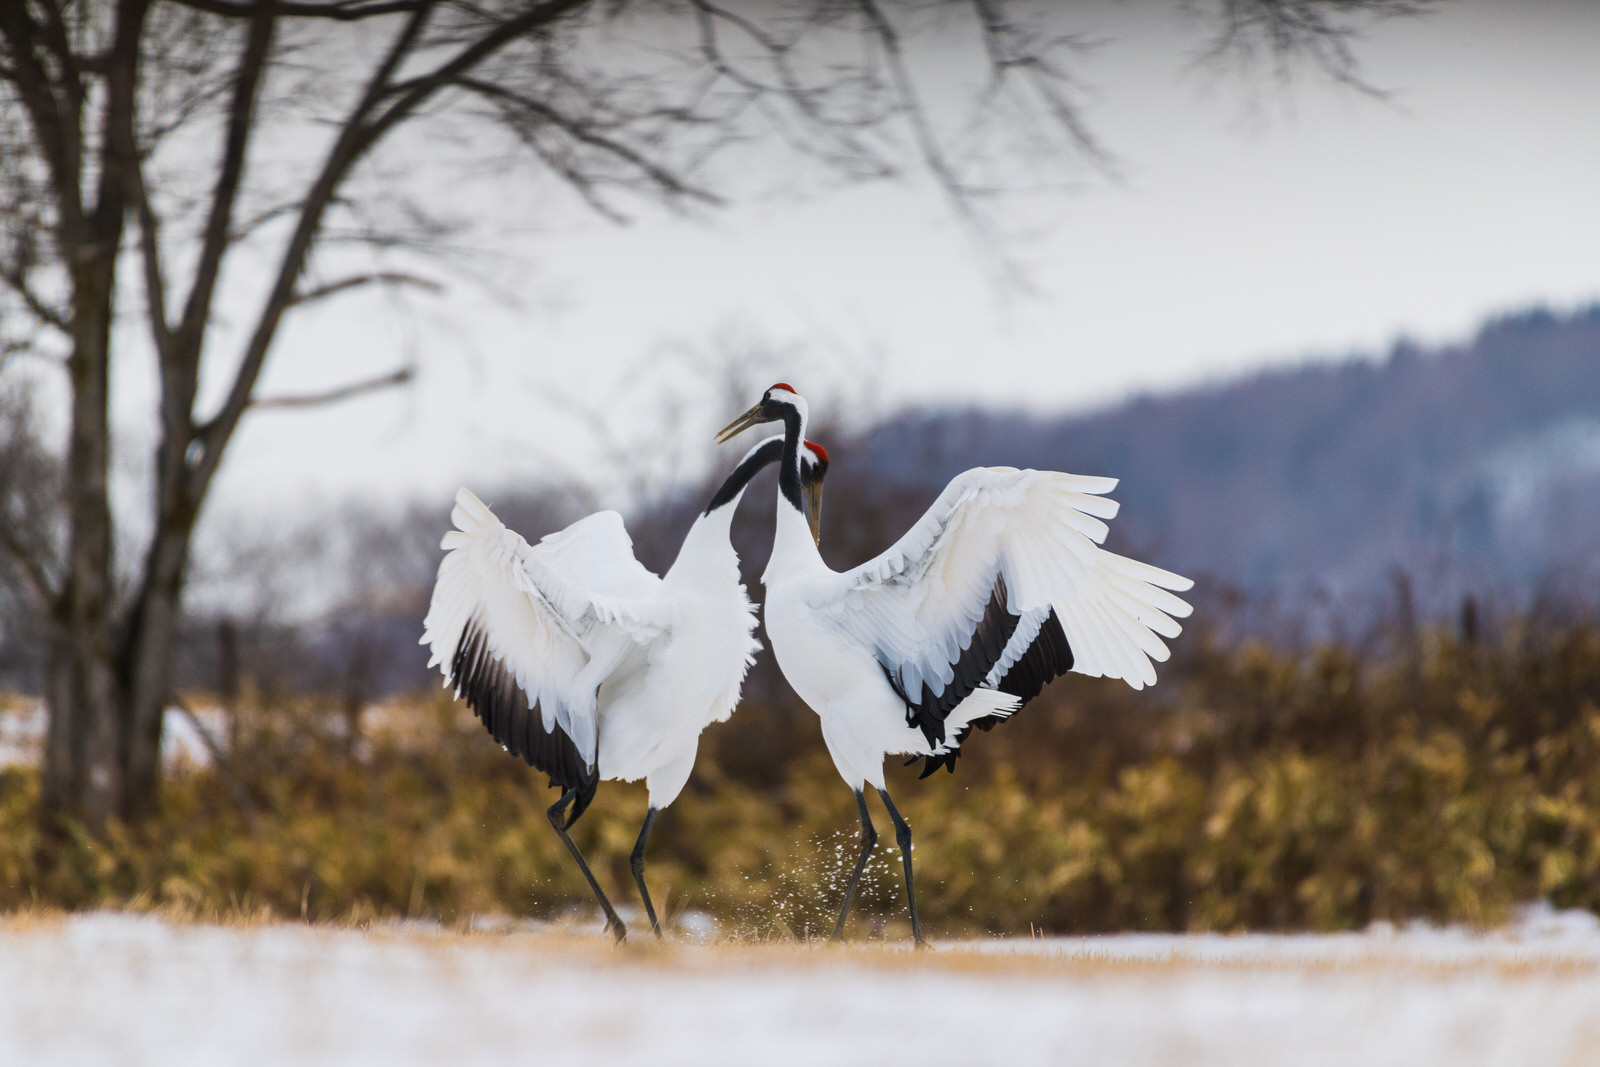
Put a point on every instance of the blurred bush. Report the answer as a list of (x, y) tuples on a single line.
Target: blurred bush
[(1432, 774)]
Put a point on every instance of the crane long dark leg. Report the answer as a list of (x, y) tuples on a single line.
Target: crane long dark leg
[(869, 838), (557, 817), (636, 861), (902, 836)]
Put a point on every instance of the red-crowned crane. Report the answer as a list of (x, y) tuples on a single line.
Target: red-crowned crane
[(583, 663), (1000, 587)]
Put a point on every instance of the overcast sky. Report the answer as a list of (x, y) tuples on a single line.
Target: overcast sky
[(1241, 228)]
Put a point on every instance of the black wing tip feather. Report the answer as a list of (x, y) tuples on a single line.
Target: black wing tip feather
[(983, 650), (494, 696), (1047, 658)]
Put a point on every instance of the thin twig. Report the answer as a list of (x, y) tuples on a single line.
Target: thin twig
[(322, 292), (37, 576), (587, 133), (18, 283), (221, 759), (349, 11), (332, 396)]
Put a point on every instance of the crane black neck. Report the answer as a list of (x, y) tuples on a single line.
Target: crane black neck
[(794, 429), (768, 452)]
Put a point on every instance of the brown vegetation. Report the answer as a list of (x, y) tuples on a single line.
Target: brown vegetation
[(1434, 776)]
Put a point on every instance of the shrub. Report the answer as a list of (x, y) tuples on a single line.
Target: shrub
[(1429, 777)]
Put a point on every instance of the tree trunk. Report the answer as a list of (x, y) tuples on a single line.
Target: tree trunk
[(107, 698), (83, 772), (147, 663), (103, 752)]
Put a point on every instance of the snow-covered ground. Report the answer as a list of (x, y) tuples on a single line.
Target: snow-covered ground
[(23, 725), (123, 989)]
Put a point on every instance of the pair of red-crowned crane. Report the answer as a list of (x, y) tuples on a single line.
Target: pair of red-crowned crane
[(586, 665)]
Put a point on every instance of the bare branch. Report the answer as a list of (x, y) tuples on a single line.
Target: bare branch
[(261, 219), (403, 376), (347, 148), (519, 106), (231, 171), (957, 193), (346, 11), (220, 759), (57, 132), (850, 150), (190, 68), (55, 36), (322, 292), (155, 285), (624, 458), (18, 282), (1011, 48), (28, 348), (119, 177), (358, 136), (37, 577), (420, 90), (1284, 31)]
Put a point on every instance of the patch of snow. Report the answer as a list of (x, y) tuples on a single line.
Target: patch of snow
[(1542, 920), (22, 735), (1538, 933), (135, 990), (22, 731)]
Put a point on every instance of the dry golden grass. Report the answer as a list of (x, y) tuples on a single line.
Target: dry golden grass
[(1430, 778)]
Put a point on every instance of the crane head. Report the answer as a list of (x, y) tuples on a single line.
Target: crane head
[(772, 406)]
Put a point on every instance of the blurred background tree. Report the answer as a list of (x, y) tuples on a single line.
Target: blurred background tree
[(158, 154)]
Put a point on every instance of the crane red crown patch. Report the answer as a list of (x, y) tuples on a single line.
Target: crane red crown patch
[(817, 450), (786, 387)]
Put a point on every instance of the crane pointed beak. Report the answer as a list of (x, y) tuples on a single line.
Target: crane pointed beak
[(813, 495), (741, 424)]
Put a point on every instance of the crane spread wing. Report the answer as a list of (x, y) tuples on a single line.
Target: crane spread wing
[(597, 553), (1002, 585), (527, 633)]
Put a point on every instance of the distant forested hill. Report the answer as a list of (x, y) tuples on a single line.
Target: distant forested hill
[(1472, 468)]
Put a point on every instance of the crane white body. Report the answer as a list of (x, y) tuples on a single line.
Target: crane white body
[(583, 663), (631, 667), (1001, 586), (688, 675), (912, 612), (836, 673)]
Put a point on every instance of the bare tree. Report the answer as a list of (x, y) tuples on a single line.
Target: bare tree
[(110, 110)]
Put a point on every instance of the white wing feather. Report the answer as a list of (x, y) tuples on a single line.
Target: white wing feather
[(558, 614), (597, 553), (918, 603)]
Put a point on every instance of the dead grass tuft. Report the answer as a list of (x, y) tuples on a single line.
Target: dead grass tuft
[(1431, 778)]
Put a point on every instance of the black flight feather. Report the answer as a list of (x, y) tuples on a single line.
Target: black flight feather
[(492, 692), (983, 649), (1047, 658)]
